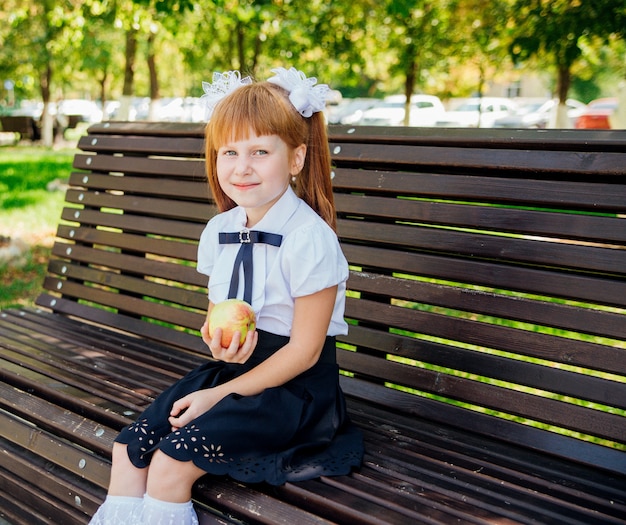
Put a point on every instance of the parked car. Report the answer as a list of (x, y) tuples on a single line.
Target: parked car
[(537, 113), (477, 112), (79, 110), (597, 114), (425, 111), (349, 110)]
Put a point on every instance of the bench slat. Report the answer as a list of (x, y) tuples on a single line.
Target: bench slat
[(566, 163), (544, 346), (150, 331), (134, 223), (529, 438), (581, 195), (191, 169), (506, 400), (160, 269), (150, 206), (557, 315), (477, 246), (482, 273), (531, 375), (182, 146), (487, 218), (140, 185)]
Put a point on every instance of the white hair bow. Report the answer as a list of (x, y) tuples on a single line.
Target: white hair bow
[(306, 97), (222, 85)]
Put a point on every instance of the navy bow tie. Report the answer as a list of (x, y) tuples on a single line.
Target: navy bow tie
[(246, 238)]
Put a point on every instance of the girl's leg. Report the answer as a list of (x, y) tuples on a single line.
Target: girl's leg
[(168, 499), (170, 479), (126, 479), (124, 502)]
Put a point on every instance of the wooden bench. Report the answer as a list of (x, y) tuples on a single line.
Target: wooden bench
[(25, 126), (486, 360)]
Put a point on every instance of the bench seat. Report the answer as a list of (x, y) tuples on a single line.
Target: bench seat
[(485, 359)]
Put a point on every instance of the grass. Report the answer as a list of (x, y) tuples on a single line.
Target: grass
[(29, 211)]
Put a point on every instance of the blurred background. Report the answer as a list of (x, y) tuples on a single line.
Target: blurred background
[(453, 63)]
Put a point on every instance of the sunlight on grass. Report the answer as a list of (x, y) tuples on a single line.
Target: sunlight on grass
[(31, 200), (27, 208)]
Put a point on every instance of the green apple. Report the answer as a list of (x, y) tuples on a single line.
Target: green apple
[(231, 316)]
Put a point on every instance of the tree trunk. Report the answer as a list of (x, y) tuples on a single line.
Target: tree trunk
[(129, 74), (481, 90), (559, 118), (103, 92), (409, 83), (241, 46), (154, 79), (47, 119)]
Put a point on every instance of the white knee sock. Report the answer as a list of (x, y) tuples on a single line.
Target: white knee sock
[(119, 510), (157, 512)]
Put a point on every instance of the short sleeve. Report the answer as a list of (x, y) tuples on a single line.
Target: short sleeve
[(315, 260)]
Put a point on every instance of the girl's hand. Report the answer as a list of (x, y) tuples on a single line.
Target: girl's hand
[(193, 405), (234, 353)]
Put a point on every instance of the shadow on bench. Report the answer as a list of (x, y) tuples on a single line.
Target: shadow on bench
[(485, 361)]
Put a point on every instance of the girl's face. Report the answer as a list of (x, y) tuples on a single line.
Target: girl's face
[(255, 172)]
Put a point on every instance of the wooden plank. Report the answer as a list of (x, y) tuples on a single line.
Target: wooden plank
[(595, 289), (66, 490), (60, 452), (156, 207), (467, 160), (484, 138), (487, 218), (506, 400), (376, 403), (252, 506), (562, 382), (508, 250), (172, 167), (132, 264), (540, 312), (129, 305), (192, 146), (572, 352), (119, 321), (180, 229), (153, 129), (162, 362), (578, 194), (169, 188), (130, 242), (133, 285)]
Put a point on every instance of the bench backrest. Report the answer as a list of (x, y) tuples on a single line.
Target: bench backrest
[(488, 269)]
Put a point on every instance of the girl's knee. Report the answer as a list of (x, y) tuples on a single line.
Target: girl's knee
[(170, 479)]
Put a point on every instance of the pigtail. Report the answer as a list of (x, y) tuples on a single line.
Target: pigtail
[(314, 183)]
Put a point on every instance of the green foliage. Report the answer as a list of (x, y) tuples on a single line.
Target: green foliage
[(365, 47)]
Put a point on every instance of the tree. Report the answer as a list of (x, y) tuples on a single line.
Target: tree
[(558, 29), (42, 35)]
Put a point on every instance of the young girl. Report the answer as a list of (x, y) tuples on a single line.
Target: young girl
[(271, 410)]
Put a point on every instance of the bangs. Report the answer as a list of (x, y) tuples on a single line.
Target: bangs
[(261, 108)]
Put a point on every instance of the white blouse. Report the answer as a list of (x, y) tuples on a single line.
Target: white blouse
[(308, 260)]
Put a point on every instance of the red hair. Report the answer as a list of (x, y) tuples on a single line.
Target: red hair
[(265, 109)]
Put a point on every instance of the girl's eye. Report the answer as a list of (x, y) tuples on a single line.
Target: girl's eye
[(260, 152)]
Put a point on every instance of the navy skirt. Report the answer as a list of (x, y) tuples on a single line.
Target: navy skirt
[(294, 432)]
